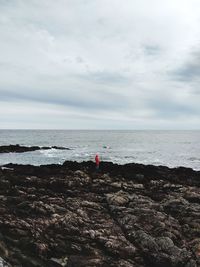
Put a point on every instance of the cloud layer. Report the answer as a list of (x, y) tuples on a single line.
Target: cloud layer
[(99, 64)]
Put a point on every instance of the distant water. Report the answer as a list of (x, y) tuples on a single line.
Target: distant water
[(170, 148)]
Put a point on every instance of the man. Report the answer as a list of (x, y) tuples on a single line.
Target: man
[(97, 160)]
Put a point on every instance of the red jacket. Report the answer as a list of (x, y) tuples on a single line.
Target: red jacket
[(97, 160)]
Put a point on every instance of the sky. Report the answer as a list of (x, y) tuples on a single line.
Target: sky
[(100, 64)]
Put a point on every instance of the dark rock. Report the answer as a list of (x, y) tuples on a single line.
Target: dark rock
[(124, 216), (20, 149)]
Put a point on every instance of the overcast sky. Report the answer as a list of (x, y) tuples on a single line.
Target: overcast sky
[(100, 64)]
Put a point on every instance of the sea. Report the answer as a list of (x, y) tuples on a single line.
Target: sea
[(169, 148)]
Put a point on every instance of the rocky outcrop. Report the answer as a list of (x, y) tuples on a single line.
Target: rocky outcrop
[(21, 149), (123, 216)]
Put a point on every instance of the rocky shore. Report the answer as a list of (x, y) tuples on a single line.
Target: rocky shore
[(123, 216), (21, 149)]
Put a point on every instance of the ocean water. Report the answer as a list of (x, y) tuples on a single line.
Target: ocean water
[(170, 148)]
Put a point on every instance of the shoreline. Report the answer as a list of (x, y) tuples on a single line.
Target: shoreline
[(37, 154), (125, 215)]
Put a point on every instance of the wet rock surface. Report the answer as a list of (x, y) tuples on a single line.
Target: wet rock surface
[(123, 216), (21, 149)]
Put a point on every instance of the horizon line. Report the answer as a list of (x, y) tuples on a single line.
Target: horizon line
[(52, 129)]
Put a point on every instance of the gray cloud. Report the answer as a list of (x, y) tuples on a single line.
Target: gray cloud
[(152, 50), (190, 70), (105, 101), (108, 78), (167, 108), (87, 64)]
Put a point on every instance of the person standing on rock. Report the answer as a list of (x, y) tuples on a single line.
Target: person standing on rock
[(97, 161)]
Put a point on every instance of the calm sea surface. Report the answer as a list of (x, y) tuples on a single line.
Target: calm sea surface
[(170, 148)]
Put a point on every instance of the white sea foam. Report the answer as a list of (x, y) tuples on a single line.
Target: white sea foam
[(49, 152)]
